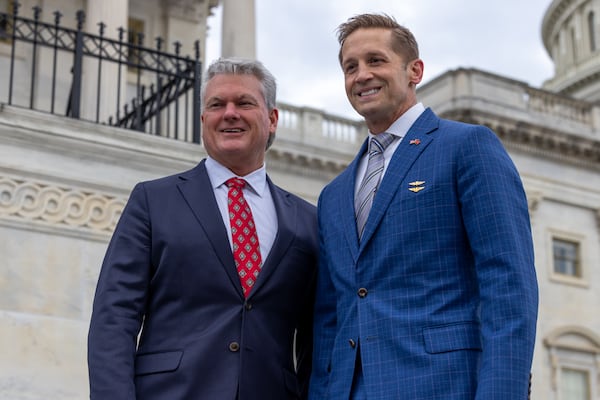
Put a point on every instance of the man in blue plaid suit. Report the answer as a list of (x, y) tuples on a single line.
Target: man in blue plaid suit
[(436, 296)]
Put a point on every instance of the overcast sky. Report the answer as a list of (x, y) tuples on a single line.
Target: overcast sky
[(296, 40)]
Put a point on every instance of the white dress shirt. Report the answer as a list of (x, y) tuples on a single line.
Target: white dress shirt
[(258, 196), (399, 128)]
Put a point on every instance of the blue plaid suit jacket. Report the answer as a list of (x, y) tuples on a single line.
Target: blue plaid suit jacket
[(450, 302)]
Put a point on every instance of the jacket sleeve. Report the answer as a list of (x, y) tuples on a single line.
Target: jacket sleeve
[(304, 342), (495, 215), (119, 301), (324, 323)]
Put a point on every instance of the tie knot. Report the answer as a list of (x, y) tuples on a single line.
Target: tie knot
[(380, 142), (237, 183)]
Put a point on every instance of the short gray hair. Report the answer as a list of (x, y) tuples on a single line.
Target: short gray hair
[(241, 66)]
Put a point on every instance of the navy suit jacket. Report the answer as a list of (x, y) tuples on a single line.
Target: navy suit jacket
[(169, 271), (440, 294)]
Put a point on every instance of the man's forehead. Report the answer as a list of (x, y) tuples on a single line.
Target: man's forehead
[(230, 83)]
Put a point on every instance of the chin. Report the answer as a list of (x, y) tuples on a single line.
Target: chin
[(366, 111)]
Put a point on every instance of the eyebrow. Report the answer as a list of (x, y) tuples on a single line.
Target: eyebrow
[(371, 53), (243, 97)]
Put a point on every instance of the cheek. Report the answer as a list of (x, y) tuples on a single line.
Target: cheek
[(348, 86)]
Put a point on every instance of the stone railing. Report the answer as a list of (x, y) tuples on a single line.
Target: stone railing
[(476, 90), (559, 106), (315, 128)]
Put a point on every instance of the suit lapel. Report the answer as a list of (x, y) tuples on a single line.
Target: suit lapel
[(412, 146), (286, 212), (347, 189), (197, 191)]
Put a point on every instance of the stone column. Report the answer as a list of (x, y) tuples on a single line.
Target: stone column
[(238, 29), (114, 14)]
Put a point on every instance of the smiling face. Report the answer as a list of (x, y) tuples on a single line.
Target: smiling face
[(236, 122), (379, 83)]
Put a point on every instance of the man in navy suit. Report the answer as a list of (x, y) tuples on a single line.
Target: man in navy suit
[(431, 294), (169, 277)]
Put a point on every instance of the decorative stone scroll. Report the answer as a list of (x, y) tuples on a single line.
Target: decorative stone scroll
[(60, 206)]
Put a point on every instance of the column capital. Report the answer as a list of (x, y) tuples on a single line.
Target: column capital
[(191, 10)]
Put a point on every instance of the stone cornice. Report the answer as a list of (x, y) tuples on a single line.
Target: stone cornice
[(309, 157), (304, 164), (305, 159), (540, 141), (582, 82), (191, 10)]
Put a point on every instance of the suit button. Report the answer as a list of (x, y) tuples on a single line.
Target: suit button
[(362, 292), (248, 306), (234, 346), (352, 343)]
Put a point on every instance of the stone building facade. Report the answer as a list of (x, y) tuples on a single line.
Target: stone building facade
[(63, 183)]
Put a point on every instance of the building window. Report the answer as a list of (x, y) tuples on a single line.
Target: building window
[(566, 258), (592, 31), (135, 27), (575, 384), (574, 351)]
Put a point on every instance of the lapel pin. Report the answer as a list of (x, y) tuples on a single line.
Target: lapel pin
[(416, 186), (415, 141)]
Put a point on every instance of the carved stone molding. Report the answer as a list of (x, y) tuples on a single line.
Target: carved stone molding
[(192, 10), (553, 144), (59, 206), (305, 164), (577, 339), (534, 199)]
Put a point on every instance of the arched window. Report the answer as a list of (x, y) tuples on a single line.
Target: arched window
[(592, 30), (575, 360)]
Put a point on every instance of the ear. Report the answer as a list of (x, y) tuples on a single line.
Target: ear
[(273, 119), (415, 71)]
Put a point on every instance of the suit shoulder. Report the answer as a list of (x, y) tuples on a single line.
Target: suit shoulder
[(299, 201), (336, 184), (458, 132), (169, 180), (466, 128)]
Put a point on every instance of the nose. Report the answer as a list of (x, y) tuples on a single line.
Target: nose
[(231, 111), (363, 73)]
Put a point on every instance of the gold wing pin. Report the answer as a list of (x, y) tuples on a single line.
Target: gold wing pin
[(416, 186)]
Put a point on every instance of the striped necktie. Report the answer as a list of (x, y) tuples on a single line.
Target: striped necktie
[(370, 182)]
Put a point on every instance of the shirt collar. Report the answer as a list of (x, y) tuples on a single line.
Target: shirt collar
[(219, 174), (401, 126)]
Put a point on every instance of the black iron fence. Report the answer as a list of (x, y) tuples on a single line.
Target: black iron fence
[(69, 70)]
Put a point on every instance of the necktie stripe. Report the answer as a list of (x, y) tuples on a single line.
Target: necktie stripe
[(368, 187)]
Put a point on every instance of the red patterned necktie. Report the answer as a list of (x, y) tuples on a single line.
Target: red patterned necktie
[(246, 251)]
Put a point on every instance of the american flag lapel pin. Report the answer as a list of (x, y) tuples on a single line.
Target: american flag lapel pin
[(415, 141)]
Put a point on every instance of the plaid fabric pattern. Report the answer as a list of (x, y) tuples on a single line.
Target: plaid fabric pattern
[(440, 294)]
